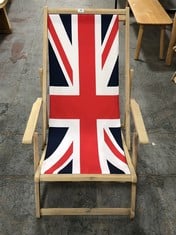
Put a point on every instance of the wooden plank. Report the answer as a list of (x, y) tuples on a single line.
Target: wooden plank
[(37, 199), (32, 122), (86, 11), (120, 12), (85, 211), (127, 81), (149, 12), (138, 122), (44, 76), (86, 177)]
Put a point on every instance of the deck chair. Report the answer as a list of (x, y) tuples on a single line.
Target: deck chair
[(84, 141)]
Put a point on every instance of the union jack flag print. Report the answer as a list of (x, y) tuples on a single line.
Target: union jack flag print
[(84, 119)]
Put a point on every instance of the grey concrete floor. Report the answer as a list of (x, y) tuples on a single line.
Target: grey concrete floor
[(20, 58)]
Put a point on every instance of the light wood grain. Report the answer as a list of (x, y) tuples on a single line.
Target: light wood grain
[(85, 211), (149, 12), (32, 122), (139, 123)]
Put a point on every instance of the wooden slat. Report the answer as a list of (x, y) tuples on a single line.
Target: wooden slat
[(120, 12), (44, 75), (86, 11), (85, 211), (32, 122), (86, 177), (138, 122), (127, 81)]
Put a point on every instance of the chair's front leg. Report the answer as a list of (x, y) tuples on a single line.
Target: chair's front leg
[(36, 178), (133, 200), (37, 197)]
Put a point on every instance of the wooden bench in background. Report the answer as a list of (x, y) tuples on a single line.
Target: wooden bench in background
[(172, 43), (149, 12), (5, 26)]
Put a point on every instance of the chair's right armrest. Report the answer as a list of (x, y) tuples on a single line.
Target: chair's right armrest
[(32, 122), (139, 123)]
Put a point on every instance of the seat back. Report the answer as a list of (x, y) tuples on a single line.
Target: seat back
[(84, 114)]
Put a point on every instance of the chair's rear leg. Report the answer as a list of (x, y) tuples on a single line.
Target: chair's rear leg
[(37, 198), (36, 178), (133, 200), (133, 185), (134, 149)]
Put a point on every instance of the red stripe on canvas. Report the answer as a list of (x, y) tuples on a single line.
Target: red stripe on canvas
[(110, 41)]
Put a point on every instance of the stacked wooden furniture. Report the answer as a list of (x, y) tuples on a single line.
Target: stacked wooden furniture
[(5, 25), (149, 12)]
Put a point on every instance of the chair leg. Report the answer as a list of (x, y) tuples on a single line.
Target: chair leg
[(162, 34), (133, 200), (134, 149), (139, 41), (37, 199)]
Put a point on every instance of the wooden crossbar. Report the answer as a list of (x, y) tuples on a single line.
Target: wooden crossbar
[(85, 211)]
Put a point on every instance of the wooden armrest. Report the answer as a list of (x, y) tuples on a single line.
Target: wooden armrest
[(139, 123), (32, 122)]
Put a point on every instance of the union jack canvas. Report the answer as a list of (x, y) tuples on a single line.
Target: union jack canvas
[(84, 117)]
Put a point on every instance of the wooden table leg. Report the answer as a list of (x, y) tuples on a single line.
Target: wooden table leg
[(5, 26), (172, 42), (162, 33), (139, 41)]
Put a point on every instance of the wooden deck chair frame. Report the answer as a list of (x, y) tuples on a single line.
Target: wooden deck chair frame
[(139, 136)]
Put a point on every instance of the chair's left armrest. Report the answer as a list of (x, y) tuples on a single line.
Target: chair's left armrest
[(32, 122), (139, 123)]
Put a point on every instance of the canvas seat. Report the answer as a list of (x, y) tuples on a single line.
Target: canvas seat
[(82, 134)]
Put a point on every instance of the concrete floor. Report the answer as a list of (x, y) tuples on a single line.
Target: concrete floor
[(20, 58)]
